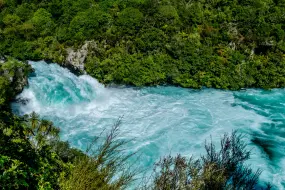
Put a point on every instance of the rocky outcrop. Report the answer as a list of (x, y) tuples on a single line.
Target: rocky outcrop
[(16, 73), (19, 80), (76, 58)]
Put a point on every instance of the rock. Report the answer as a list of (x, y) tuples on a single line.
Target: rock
[(18, 76), (23, 101), (20, 80), (2, 59), (76, 58)]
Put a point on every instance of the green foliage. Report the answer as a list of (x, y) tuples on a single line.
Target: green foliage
[(65, 152), (129, 20), (12, 171), (106, 168), (86, 25), (168, 11), (32, 157), (11, 20), (220, 44), (4, 85), (42, 20), (26, 158), (218, 169)]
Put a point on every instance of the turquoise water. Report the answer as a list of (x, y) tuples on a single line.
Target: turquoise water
[(160, 120)]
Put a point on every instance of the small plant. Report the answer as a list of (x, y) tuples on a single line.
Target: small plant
[(217, 169), (102, 168), (40, 131)]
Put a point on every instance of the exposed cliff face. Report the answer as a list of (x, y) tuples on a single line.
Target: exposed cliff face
[(76, 58)]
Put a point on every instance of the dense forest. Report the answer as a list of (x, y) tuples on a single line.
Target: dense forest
[(228, 44)]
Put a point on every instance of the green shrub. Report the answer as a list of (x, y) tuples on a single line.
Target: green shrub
[(218, 169)]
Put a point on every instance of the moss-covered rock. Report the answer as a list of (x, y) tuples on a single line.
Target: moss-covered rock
[(13, 78)]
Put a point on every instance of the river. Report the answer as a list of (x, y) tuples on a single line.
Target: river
[(160, 120)]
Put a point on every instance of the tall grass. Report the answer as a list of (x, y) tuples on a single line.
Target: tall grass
[(104, 167)]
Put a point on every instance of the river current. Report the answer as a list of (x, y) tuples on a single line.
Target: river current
[(160, 120)]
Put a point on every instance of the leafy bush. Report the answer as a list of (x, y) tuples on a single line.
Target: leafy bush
[(33, 157), (26, 161), (218, 169)]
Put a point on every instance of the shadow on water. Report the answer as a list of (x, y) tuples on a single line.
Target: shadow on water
[(266, 146)]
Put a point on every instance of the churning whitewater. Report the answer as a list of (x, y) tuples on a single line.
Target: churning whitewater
[(160, 120)]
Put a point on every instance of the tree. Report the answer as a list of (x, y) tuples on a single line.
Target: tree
[(90, 24), (129, 21), (42, 20)]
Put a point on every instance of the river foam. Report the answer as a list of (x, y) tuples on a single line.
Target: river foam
[(160, 120)]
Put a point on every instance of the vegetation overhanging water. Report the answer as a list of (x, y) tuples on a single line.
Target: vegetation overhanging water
[(161, 120)]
